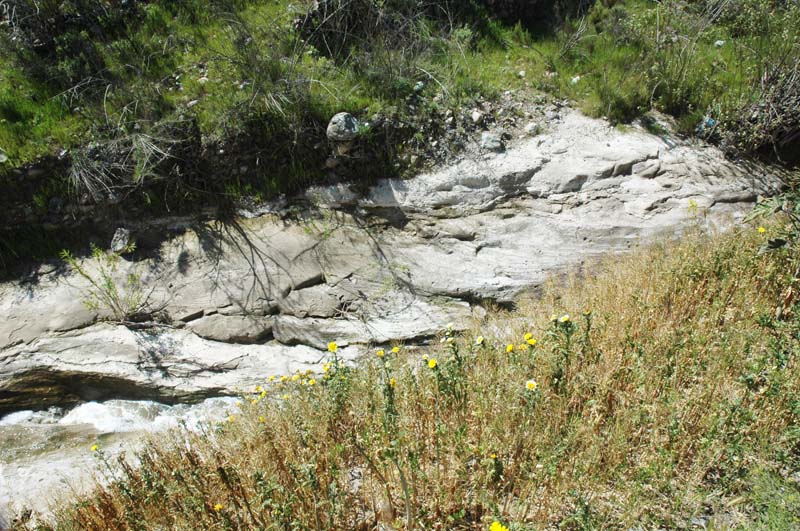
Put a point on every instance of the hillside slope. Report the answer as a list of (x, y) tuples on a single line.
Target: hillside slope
[(662, 392), (154, 107)]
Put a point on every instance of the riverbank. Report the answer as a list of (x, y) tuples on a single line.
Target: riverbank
[(163, 108), (233, 303), (659, 391), (222, 304)]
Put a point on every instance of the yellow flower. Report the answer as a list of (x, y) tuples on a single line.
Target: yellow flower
[(295, 377), (326, 367), (762, 230), (479, 340), (380, 353), (564, 319), (263, 394), (286, 396), (333, 347), (218, 507), (432, 363), (587, 312), (254, 401), (272, 378), (392, 382), (94, 448), (531, 385), (261, 419), (528, 336), (312, 381), (259, 389), (493, 455), (395, 350), (510, 348), (497, 526), (284, 378), (231, 418), (523, 347), (532, 342)]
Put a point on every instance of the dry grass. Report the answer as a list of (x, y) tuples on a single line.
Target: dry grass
[(676, 397)]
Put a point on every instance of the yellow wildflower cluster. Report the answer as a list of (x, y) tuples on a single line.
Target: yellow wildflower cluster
[(530, 340), (497, 526)]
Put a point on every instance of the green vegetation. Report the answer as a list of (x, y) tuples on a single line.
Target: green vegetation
[(122, 301), (664, 389), (163, 94), (171, 106)]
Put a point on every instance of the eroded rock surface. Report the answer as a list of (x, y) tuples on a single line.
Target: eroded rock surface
[(265, 294)]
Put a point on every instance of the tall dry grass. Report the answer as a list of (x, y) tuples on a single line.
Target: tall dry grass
[(669, 393)]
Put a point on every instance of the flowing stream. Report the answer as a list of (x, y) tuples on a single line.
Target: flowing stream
[(50, 451)]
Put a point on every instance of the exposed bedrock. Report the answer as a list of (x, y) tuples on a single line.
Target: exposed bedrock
[(264, 294)]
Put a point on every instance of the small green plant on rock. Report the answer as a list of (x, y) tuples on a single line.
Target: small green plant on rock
[(124, 300)]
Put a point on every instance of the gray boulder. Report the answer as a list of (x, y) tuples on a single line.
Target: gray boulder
[(121, 240), (492, 142), (343, 127)]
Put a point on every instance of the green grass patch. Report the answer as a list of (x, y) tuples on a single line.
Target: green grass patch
[(34, 122)]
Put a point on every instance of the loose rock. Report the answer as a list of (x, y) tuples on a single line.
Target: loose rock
[(343, 127), (492, 142), (121, 240)]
